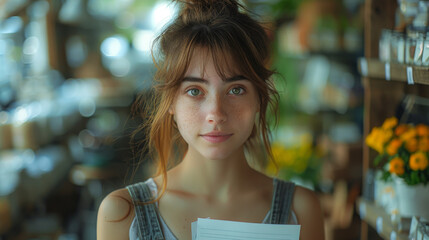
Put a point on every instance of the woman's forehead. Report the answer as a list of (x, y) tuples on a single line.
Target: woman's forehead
[(204, 62)]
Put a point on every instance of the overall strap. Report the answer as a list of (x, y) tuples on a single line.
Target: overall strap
[(146, 214), (282, 202)]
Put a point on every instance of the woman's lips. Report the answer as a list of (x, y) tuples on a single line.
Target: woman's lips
[(216, 137)]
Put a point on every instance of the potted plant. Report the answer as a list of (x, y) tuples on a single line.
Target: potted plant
[(403, 153)]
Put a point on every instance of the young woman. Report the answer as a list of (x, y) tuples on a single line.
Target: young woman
[(213, 95)]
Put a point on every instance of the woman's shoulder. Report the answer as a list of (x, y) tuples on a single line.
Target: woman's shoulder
[(307, 207), (305, 198), (116, 206), (115, 215)]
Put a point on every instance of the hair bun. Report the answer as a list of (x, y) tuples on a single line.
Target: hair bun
[(204, 10)]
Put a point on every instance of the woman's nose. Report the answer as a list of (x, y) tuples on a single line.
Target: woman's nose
[(216, 111)]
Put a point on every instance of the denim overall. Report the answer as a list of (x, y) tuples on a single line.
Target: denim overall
[(147, 215)]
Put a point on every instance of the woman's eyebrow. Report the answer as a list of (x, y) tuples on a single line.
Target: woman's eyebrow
[(236, 78), (195, 79), (202, 80)]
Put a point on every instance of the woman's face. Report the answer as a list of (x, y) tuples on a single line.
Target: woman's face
[(214, 116)]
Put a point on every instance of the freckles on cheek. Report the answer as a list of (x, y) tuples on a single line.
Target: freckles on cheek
[(241, 114), (187, 116), (238, 113)]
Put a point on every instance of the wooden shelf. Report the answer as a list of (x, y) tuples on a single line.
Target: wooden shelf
[(376, 217), (374, 68)]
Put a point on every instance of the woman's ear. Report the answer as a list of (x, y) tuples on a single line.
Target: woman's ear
[(170, 111)]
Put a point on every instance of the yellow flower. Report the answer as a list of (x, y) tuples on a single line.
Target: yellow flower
[(396, 166), (372, 140), (422, 130), (412, 145), (393, 146), (387, 135), (418, 161), (424, 144), (409, 134), (377, 138), (401, 129), (369, 140), (390, 123)]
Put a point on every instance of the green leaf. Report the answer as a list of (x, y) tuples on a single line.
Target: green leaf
[(415, 179), (407, 179), (386, 176), (423, 177), (378, 159), (403, 155)]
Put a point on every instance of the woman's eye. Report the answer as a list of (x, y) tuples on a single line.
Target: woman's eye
[(237, 91), (194, 92)]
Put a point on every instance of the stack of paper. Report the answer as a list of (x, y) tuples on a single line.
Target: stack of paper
[(210, 229)]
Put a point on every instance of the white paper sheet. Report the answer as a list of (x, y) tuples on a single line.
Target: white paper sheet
[(211, 229)]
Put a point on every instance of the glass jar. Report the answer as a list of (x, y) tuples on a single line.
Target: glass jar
[(418, 54), (414, 48), (425, 55), (410, 50), (397, 47), (384, 45)]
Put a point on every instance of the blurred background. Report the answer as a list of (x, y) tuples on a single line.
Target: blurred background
[(71, 69)]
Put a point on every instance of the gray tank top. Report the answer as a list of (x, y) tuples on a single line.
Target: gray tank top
[(148, 223)]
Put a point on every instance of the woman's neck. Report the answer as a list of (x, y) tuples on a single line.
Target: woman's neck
[(213, 178)]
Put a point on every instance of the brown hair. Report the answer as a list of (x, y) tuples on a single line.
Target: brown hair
[(232, 39)]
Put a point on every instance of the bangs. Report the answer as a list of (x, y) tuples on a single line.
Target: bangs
[(224, 60), (228, 52)]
